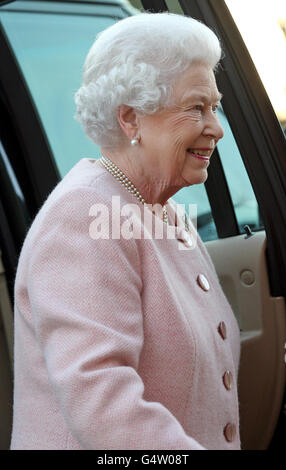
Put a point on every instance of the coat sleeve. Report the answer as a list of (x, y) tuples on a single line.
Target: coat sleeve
[(85, 296)]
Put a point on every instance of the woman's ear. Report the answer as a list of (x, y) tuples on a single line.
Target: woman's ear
[(128, 120)]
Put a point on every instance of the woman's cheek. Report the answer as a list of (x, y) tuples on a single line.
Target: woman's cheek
[(194, 115), (179, 150)]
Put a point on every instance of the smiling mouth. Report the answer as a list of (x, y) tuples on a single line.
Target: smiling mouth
[(203, 154)]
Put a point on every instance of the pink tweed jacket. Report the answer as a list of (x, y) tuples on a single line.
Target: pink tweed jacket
[(118, 343)]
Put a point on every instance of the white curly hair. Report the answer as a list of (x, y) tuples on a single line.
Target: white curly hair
[(135, 62)]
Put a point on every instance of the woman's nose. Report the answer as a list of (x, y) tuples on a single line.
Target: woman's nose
[(214, 128)]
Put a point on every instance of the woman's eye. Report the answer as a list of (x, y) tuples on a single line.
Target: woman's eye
[(198, 107), (215, 108)]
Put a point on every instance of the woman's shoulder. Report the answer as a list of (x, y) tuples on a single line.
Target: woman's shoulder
[(86, 174), (68, 205), (87, 181), (67, 216)]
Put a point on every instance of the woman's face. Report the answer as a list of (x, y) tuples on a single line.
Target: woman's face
[(178, 141)]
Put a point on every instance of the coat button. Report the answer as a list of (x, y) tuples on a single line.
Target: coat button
[(222, 330), (184, 237), (227, 380), (230, 432), (203, 282), (188, 241)]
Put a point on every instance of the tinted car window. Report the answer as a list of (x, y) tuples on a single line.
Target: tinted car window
[(196, 203), (243, 197), (50, 48)]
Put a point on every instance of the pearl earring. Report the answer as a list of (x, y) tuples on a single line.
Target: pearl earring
[(135, 141)]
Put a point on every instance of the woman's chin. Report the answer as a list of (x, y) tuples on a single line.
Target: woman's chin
[(196, 177)]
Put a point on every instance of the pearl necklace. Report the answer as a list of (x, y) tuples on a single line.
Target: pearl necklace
[(122, 178)]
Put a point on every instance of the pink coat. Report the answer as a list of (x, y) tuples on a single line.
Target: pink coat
[(118, 343)]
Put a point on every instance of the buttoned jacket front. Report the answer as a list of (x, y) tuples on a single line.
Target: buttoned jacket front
[(120, 343)]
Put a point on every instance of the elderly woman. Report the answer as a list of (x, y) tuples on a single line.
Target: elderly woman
[(121, 341)]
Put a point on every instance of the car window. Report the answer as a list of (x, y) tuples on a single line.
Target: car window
[(196, 203), (242, 195), (50, 48)]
